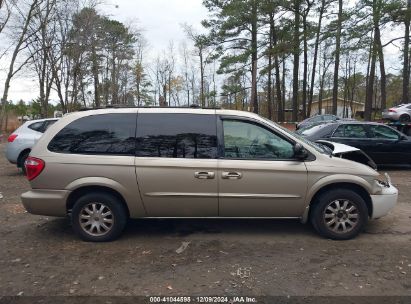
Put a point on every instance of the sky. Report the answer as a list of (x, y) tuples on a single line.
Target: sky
[(160, 21)]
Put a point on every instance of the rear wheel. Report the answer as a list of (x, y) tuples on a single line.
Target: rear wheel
[(405, 118), (339, 214), (22, 160), (99, 217)]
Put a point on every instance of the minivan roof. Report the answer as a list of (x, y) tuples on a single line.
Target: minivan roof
[(176, 110)]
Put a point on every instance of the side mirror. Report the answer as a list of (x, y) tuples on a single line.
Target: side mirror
[(300, 152), (403, 137)]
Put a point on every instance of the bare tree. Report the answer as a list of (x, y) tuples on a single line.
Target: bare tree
[(139, 70), (337, 55), (315, 57), (187, 67), (201, 44), (406, 54), (296, 55), (5, 12), (38, 47), (59, 55), (21, 35)]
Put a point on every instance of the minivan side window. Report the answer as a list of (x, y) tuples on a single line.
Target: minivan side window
[(165, 135), (245, 140), (107, 134)]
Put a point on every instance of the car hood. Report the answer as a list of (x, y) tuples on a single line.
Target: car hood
[(348, 152), (338, 148)]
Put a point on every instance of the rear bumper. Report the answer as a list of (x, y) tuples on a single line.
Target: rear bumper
[(12, 153), (390, 115), (46, 202), (384, 202)]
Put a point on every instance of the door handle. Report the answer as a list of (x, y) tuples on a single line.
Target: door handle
[(231, 175), (204, 175)]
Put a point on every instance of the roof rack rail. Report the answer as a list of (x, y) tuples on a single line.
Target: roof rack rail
[(194, 106)]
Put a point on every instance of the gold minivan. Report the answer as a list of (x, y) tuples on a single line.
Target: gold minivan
[(102, 167)]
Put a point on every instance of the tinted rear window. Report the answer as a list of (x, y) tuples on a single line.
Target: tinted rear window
[(37, 126), (48, 124), (177, 136), (108, 134)]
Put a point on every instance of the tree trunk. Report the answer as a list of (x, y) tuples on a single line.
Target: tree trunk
[(97, 102), (305, 73), (114, 88), (296, 54), (317, 43), (382, 68), (406, 69), (370, 84), (254, 58), (270, 70), (11, 70), (337, 56), (354, 82), (202, 95), (282, 114), (278, 89)]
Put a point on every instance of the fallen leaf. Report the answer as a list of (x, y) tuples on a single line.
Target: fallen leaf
[(183, 247)]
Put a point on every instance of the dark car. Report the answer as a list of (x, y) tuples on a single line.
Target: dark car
[(385, 145), (316, 120)]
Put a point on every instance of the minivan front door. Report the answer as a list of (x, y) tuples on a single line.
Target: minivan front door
[(176, 163), (258, 175)]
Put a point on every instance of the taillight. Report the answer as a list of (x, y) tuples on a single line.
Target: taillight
[(12, 137), (34, 166), (392, 110)]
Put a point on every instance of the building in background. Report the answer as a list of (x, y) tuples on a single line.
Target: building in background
[(345, 108)]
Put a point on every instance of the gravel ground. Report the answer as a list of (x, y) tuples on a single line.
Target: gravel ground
[(41, 256)]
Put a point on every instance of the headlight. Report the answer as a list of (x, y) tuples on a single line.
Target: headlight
[(384, 183)]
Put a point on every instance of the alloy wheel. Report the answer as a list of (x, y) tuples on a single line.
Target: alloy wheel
[(96, 219), (341, 216)]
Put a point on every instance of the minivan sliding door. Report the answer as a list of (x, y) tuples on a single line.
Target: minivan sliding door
[(176, 163)]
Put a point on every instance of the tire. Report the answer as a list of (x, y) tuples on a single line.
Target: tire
[(22, 160), (329, 220), (99, 217), (405, 118)]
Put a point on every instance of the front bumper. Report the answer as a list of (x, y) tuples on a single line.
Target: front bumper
[(384, 202), (46, 202)]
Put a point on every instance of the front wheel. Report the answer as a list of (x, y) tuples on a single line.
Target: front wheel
[(99, 217), (339, 214)]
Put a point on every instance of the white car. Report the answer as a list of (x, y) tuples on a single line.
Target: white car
[(21, 141), (400, 113)]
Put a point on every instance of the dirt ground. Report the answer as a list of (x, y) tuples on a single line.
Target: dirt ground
[(41, 256)]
